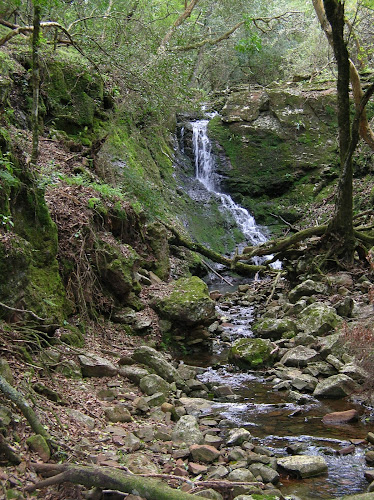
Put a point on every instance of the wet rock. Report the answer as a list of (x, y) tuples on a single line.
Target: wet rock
[(222, 391), (304, 382), (337, 386), (318, 319), (95, 366), (275, 329), (251, 353), (303, 466), (238, 436), (151, 384), (299, 356), (155, 360), (370, 437), (369, 457), (39, 445), (306, 289), (301, 399), (204, 453), (241, 475), (341, 417), (369, 475), (347, 450), (187, 431), (118, 414), (267, 474)]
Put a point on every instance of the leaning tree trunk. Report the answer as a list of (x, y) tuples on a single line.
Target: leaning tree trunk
[(340, 227), (35, 84)]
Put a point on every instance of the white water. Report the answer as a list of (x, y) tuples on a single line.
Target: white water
[(206, 174)]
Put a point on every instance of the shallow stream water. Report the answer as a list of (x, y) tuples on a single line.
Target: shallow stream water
[(277, 423)]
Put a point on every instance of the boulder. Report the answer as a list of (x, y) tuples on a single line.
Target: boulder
[(118, 414), (304, 382), (81, 418), (139, 463), (95, 366), (331, 345), (299, 356), (187, 303), (251, 353), (150, 384), (39, 445), (306, 289), (237, 436), (303, 466), (274, 329), (245, 106), (133, 373), (341, 417), (155, 360), (318, 319), (187, 431), (337, 386)]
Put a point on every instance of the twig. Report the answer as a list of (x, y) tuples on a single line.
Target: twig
[(217, 274), (22, 311)]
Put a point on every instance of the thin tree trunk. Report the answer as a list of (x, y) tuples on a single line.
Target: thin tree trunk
[(35, 85)]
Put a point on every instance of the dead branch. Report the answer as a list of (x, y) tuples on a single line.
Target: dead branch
[(146, 485), (23, 311)]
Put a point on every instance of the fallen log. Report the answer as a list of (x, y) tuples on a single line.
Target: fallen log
[(110, 478)]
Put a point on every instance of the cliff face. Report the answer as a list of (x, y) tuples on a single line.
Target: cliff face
[(281, 144)]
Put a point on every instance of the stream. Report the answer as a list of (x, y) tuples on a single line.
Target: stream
[(274, 421)]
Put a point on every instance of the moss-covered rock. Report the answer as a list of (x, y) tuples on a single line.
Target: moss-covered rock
[(187, 303), (275, 329), (251, 353), (318, 319)]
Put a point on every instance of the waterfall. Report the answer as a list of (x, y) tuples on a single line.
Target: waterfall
[(206, 174)]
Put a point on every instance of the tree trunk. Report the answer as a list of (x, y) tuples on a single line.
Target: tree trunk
[(341, 224), (35, 85)]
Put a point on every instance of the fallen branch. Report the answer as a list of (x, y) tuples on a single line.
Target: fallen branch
[(238, 267), (123, 480), (280, 244), (217, 274)]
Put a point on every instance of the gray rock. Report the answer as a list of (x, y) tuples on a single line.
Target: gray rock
[(132, 443), (150, 384), (196, 406), (356, 372), (303, 466), (304, 382), (5, 371), (204, 453), (139, 463), (242, 475), (218, 472), (187, 431), (251, 353), (268, 474), (334, 362), (238, 436), (155, 360), (82, 418), (212, 494), (156, 399), (133, 373), (306, 289), (95, 366), (320, 368), (299, 356), (275, 329), (337, 386), (318, 319), (331, 344), (236, 454), (118, 414)]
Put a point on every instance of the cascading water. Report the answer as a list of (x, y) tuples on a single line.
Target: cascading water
[(206, 174)]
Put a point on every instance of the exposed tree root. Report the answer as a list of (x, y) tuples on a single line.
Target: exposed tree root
[(17, 398), (120, 480), (7, 453)]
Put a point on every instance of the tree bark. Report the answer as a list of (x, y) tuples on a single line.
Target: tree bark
[(185, 15), (341, 224), (35, 85)]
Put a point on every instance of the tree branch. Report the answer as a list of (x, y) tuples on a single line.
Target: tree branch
[(185, 15), (208, 41)]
